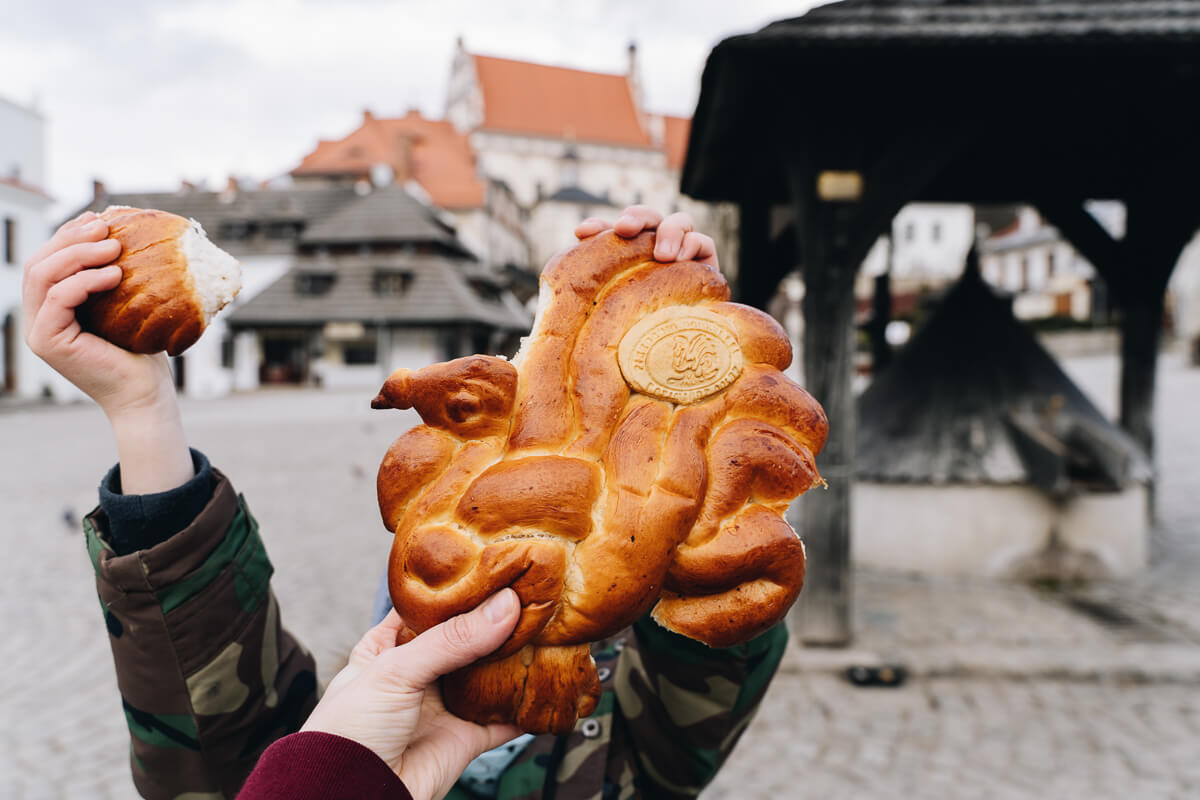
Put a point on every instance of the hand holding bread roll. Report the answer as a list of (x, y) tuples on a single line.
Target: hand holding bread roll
[(174, 281)]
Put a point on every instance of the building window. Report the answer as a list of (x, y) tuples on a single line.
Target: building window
[(936, 233), (311, 284), (359, 353), (236, 230), (282, 230), (392, 284), (227, 350), (910, 231), (10, 240), (1050, 264)]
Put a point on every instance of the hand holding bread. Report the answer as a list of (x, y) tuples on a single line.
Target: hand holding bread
[(637, 454), (99, 273)]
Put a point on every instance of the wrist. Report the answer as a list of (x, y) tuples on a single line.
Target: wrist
[(145, 391), (151, 445)]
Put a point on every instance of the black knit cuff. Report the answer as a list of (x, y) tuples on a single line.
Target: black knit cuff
[(138, 521)]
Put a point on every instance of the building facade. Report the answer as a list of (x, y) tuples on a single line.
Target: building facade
[(24, 226), (551, 133)]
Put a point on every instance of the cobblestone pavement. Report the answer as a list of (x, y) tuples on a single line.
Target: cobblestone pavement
[(1014, 692)]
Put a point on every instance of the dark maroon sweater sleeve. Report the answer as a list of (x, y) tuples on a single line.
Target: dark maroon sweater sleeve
[(321, 766)]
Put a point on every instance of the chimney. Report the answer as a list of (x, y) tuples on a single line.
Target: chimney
[(230, 193), (99, 190), (634, 78)]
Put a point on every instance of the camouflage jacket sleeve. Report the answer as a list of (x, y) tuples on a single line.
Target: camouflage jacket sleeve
[(683, 705), (207, 675)]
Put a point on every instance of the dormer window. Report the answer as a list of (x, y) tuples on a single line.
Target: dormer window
[(236, 230), (392, 283), (313, 284)]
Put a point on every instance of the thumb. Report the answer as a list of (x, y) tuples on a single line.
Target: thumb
[(460, 640)]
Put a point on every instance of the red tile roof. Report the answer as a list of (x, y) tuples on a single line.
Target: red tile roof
[(428, 151), (16, 183), (557, 102)]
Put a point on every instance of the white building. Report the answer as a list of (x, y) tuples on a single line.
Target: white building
[(1042, 271), (929, 244), (570, 143), (24, 227)]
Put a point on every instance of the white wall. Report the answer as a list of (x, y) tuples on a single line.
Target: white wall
[(552, 227), (22, 157), (627, 174), (22, 144), (1185, 291), (412, 349), (204, 375), (989, 531), (929, 243)]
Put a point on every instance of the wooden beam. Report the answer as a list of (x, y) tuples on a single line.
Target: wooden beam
[(1087, 236), (755, 282), (823, 613), (901, 173), (1157, 230)]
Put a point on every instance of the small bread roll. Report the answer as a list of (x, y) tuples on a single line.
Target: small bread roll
[(175, 280)]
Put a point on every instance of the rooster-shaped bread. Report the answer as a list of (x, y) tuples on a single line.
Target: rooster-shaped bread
[(636, 455)]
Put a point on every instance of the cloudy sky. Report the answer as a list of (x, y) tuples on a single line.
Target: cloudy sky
[(144, 93)]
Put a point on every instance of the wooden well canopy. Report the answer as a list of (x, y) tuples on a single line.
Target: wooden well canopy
[(851, 111)]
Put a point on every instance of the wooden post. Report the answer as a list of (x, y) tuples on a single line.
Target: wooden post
[(755, 282), (881, 315), (822, 517), (1155, 234)]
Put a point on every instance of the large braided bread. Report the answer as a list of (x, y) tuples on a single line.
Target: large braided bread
[(637, 454)]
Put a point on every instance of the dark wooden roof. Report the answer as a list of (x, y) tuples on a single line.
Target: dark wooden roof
[(943, 410), (950, 22), (439, 293), (216, 210), (1018, 99), (573, 194), (386, 215)]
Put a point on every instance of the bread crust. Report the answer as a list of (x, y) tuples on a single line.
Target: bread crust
[(637, 455), (155, 306)]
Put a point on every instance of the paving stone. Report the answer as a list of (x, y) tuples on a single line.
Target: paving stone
[(1012, 693)]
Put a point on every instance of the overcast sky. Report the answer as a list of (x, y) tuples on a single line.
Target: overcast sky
[(144, 93)]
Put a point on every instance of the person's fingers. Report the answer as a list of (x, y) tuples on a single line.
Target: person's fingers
[(635, 219), (590, 227), (87, 227), (457, 642), (670, 235), (698, 247), (375, 641), (498, 734), (58, 266), (57, 314)]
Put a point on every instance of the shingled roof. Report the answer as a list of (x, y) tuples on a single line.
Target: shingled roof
[(1092, 91), (438, 293), (386, 215), (943, 410), (218, 211), (871, 22)]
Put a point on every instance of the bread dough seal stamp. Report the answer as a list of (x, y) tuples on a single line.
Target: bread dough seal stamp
[(681, 354)]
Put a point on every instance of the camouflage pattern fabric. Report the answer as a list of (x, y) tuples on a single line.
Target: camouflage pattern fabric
[(209, 678), (670, 713)]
